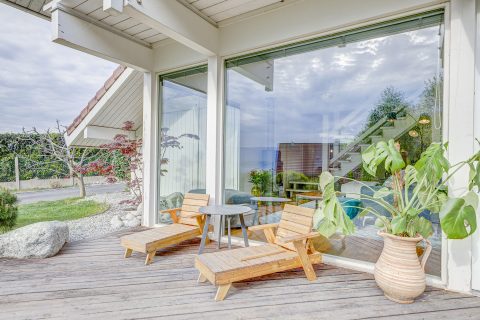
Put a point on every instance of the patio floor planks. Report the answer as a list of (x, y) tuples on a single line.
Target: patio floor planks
[(91, 279)]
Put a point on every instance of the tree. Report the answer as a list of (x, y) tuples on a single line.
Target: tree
[(390, 100), (125, 162), (51, 143), (170, 142)]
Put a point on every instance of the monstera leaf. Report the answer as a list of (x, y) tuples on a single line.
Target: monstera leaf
[(410, 176), (331, 217), (399, 225), (419, 226), (432, 164), (382, 152), (474, 178), (433, 202), (458, 217)]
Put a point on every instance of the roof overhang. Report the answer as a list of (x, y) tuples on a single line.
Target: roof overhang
[(118, 101)]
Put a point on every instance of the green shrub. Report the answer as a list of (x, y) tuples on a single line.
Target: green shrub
[(291, 176), (8, 210)]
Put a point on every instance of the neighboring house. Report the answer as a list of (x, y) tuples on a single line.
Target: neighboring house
[(247, 77)]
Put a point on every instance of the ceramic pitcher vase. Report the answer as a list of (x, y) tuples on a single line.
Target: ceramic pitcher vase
[(398, 271)]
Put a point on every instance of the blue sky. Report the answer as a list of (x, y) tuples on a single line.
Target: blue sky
[(41, 81)]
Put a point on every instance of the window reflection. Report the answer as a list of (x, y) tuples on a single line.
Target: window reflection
[(290, 118), (182, 138)]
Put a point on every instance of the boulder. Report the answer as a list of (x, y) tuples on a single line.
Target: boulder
[(116, 222), (38, 240), (139, 211), (129, 216), (132, 223)]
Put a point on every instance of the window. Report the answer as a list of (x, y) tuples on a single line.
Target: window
[(182, 137), (294, 112)]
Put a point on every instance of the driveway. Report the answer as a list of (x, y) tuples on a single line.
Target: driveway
[(70, 192)]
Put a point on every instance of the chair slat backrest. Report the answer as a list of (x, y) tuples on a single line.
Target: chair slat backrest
[(191, 204), (295, 220)]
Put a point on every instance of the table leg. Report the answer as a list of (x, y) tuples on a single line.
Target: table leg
[(204, 234), (244, 230), (258, 213), (220, 232), (229, 233), (255, 215)]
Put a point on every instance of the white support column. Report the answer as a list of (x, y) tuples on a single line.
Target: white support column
[(214, 161), (215, 97), (476, 236), (460, 118), (150, 148)]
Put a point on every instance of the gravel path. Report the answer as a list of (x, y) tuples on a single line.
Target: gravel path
[(99, 225)]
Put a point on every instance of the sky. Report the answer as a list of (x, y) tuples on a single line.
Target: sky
[(327, 94), (41, 81)]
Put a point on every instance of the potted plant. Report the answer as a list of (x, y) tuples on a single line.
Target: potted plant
[(415, 190), (261, 180)]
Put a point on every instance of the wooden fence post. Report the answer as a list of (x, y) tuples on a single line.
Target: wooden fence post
[(17, 173)]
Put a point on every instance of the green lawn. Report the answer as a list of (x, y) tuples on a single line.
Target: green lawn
[(67, 209)]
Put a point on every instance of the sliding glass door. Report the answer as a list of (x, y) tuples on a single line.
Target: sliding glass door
[(294, 112), (182, 137)]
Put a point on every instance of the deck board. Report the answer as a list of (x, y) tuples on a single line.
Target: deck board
[(92, 280)]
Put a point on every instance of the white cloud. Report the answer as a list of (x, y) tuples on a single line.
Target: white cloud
[(327, 94), (41, 81)]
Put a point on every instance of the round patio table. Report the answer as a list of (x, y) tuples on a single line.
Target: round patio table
[(270, 200), (315, 196), (227, 211)]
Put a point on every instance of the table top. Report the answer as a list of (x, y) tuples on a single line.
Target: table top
[(304, 182), (270, 199), (224, 210), (310, 196)]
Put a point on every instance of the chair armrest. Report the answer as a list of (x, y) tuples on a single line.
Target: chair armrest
[(263, 226), (170, 210), (299, 237), (173, 213), (192, 215)]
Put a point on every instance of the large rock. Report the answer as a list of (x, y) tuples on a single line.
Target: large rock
[(129, 216), (139, 211), (38, 240), (132, 223), (116, 222)]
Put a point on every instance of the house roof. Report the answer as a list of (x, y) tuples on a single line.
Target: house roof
[(93, 102), (119, 100)]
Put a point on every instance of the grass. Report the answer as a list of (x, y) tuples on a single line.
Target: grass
[(61, 210)]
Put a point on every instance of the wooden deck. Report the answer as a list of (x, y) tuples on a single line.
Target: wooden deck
[(92, 280)]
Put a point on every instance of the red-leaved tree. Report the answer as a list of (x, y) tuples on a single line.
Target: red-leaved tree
[(132, 168), (124, 163)]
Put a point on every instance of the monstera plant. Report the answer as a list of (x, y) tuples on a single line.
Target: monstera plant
[(415, 189), (417, 192)]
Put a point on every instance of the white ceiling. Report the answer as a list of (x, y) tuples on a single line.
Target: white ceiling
[(93, 10), (213, 11), (220, 10), (31, 6)]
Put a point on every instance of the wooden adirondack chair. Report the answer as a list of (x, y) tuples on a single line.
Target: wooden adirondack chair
[(290, 247), (188, 224)]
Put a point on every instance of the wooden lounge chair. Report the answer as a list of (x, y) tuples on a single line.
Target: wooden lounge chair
[(187, 224), (290, 247)]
